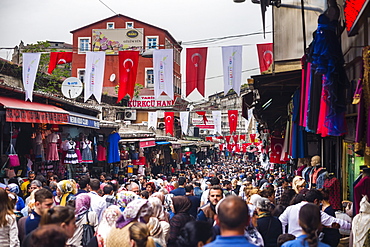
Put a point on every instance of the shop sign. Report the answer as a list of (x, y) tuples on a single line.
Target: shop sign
[(27, 116), (150, 101), (80, 121), (353, 10), (199, 122), (145, 144)]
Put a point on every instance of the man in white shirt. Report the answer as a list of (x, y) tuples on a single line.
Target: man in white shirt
[(98, 204), (291, 214)]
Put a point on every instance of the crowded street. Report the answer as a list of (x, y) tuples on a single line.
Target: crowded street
[(163, 123)]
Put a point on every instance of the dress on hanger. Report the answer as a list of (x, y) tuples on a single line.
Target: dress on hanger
[(71, 156), (102, 152), (86, 152), (52, 154), (113, 153), (78, 152), (333, 185)]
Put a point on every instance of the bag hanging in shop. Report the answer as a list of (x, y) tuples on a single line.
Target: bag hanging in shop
[(10, 173), (13, 157)]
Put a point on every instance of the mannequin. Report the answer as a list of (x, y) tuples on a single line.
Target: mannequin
[(316, 168), (52, 154)]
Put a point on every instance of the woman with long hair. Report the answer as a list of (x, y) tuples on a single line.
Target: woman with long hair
[(310, 221), (8, 222), (140, 235)]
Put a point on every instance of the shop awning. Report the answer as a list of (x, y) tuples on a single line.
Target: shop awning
[(83, 120), (162, 143), (31, 112)]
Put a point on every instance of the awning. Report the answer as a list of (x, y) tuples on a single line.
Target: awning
[(162, 143), (31, 112), (83, 120)]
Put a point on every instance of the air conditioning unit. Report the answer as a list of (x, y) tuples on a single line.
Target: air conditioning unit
[(145, 123), (161, 125), (130, 114), (203, 132)]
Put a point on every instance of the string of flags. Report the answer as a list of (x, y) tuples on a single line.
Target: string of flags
[(196, 62)]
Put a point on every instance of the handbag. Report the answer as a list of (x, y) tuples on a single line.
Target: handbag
[(87, 231), (13, 157), (10, 173)]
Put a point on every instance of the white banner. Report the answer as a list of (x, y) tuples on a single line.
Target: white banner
[(29, 71), (163, 72), (152, 120), (232, 66), (94, 74), (184, 120), (246, 122), (217, 121)]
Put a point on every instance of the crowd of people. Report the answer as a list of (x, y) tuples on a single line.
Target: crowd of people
[(224, 204)]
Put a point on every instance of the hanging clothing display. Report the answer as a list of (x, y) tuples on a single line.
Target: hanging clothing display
[(113, 153), (102, 152), (71, 156), (361, 188), (86, 151), (78, 152), (52, 152), (333, 185), (298, 133)]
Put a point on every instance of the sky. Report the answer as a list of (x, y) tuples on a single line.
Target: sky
[(186, 20)]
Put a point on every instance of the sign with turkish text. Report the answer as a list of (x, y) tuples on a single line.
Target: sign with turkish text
[(150, 101), (80, 121), (26, 116)]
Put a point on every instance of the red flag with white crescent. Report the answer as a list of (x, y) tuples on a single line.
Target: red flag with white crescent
[(59, 58), (242, 137), (233, 120), (235, 138), (265, 56), (252, 137), (196, 60), (169, 118), (227, 138), (128, 63), (276, 150), (221, 147), (208, 138), (237, 148)]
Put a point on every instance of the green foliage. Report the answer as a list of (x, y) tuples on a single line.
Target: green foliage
[(45, 82)]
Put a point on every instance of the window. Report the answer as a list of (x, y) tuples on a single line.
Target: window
[(149, 77), (110, 25), (129, 25), (81, 74), (152, 42), (83, 44)]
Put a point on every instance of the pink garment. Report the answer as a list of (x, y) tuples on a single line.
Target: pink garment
[(78, 152), (52, 154), (102, 153)]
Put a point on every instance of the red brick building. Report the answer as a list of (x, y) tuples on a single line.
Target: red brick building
[(120, 32)]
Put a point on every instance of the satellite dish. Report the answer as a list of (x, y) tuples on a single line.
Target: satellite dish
[(112, 77), (72, 87)]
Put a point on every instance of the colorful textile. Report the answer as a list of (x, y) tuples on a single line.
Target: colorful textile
[(361, 188), (333, 185), (135, 211), (66, 187)]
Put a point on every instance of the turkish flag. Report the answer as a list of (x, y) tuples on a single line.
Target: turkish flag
[(227, 138), (237, 148), (169, 120), (59, 58), (220, 137), (252, 137), (203, 113), (128, 62), (196, 60), (244, 147), (276, 150), (233, 120), (242, 137), (265, 56), (236, 138), (208, 138), (221, 147)]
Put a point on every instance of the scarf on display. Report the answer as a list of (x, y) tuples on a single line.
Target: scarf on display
[(135, 211), (82, 206), (66, 187), (360, 224)]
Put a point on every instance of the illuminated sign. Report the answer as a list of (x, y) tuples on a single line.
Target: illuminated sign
[(352, 12)]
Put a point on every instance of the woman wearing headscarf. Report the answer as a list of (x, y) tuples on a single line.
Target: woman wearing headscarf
[(180, 206), (156, 231), (14, 188), (124, 198), (110, 216), (162, 216), (138, 210), (83, 216), (66, 189)]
